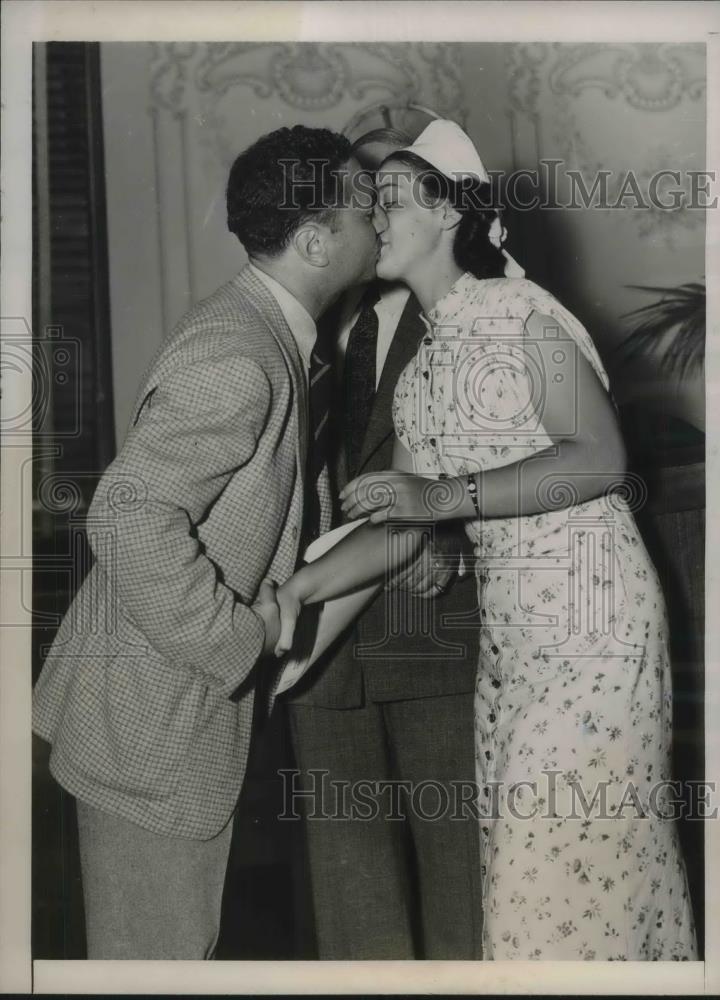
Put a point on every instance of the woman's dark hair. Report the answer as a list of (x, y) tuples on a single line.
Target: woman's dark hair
[(283, 179), (472, 249)]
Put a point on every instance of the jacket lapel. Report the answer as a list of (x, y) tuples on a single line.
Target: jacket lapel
[(402, 349), (270, 312)]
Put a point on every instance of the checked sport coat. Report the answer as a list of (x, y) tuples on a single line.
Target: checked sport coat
[(147, 692)]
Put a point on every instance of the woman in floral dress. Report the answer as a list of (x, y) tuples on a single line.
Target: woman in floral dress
[(504, 419)]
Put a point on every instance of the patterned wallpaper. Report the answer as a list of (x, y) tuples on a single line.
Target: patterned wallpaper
[(621, 107), (309, 76)]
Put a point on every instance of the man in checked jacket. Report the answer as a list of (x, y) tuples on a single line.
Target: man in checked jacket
[(147, 693)]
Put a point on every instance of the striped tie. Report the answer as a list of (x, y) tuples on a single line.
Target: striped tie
[(320, 398)]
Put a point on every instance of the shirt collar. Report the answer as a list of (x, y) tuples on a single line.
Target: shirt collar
[(302, 325)]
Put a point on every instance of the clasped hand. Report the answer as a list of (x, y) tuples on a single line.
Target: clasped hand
[(279, 609)]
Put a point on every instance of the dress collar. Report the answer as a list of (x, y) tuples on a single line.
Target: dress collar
[(451, 303)]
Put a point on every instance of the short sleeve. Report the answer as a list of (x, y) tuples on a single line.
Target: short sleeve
[(403, 409)]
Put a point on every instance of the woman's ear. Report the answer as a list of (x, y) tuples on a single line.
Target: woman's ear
[(309, 242), (449, 216)]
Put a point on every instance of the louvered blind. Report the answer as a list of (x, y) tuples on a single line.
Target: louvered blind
[(73, 426), (71, 293)]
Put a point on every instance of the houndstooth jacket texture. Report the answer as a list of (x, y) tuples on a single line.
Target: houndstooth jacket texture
[(147, 692)]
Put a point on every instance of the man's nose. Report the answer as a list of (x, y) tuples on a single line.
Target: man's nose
[(379, 219)]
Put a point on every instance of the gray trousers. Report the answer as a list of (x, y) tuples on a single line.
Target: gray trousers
[(386, 888), (148, 896)]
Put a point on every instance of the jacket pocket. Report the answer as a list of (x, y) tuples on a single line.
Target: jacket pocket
[(152, 711)]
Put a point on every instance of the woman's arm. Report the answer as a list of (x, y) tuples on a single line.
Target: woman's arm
[(362, 557), (359, 559), (586, 457)]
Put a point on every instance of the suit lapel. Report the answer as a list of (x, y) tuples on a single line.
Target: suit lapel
[(402, 349), (271, 314)]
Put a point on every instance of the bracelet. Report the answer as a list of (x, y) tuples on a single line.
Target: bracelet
[(473, 491)]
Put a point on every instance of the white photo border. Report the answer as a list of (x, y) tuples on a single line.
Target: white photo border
[(28, 21)]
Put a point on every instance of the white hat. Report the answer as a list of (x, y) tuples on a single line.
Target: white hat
[(445, 146)]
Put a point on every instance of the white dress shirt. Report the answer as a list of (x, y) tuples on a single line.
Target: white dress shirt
[(389, 309), (302, 325)]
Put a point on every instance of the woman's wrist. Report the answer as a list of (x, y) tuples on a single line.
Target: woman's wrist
[(457, 502), (473, 493), (299, 586)]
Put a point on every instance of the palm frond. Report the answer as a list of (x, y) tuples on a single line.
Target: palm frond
[(680, 312)]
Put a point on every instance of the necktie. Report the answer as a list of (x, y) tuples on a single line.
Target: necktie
[(359, 377), (320, 396)]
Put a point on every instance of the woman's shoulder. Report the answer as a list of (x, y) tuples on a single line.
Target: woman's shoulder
[(503, 287), (512, 289), (472, 299), (518, 297)]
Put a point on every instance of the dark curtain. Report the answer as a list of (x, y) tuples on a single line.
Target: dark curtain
[(74, 437)]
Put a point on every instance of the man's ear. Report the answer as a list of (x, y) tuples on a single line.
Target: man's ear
[(309, 241)]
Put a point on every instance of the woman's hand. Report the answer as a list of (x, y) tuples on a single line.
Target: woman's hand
[(435, 567), (290, 606), (266, 608), (401, 495)]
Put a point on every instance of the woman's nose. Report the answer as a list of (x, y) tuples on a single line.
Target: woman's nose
[(379, 219)]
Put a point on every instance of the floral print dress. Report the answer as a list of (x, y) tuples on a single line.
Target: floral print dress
[(573, 701)]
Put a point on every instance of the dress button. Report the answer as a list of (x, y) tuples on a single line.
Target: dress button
[(488, 755), (495, 682), (427, 341), (486, 831), (494, 650), (491, 717)]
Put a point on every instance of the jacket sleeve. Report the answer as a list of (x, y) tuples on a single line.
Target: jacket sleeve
[(199, 427)]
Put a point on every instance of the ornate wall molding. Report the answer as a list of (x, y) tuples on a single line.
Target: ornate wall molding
[(648, 76), (524, 63), (443, 62), (555, 97), (654, 223), (170, 64), (308, 76)]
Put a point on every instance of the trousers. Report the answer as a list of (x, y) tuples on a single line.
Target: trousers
[(391, 880), (149, 896)]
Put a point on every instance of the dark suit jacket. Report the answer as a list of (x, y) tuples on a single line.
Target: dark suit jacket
[(402, 647)]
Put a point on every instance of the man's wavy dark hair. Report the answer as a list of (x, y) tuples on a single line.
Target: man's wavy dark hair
[(283, 179)]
